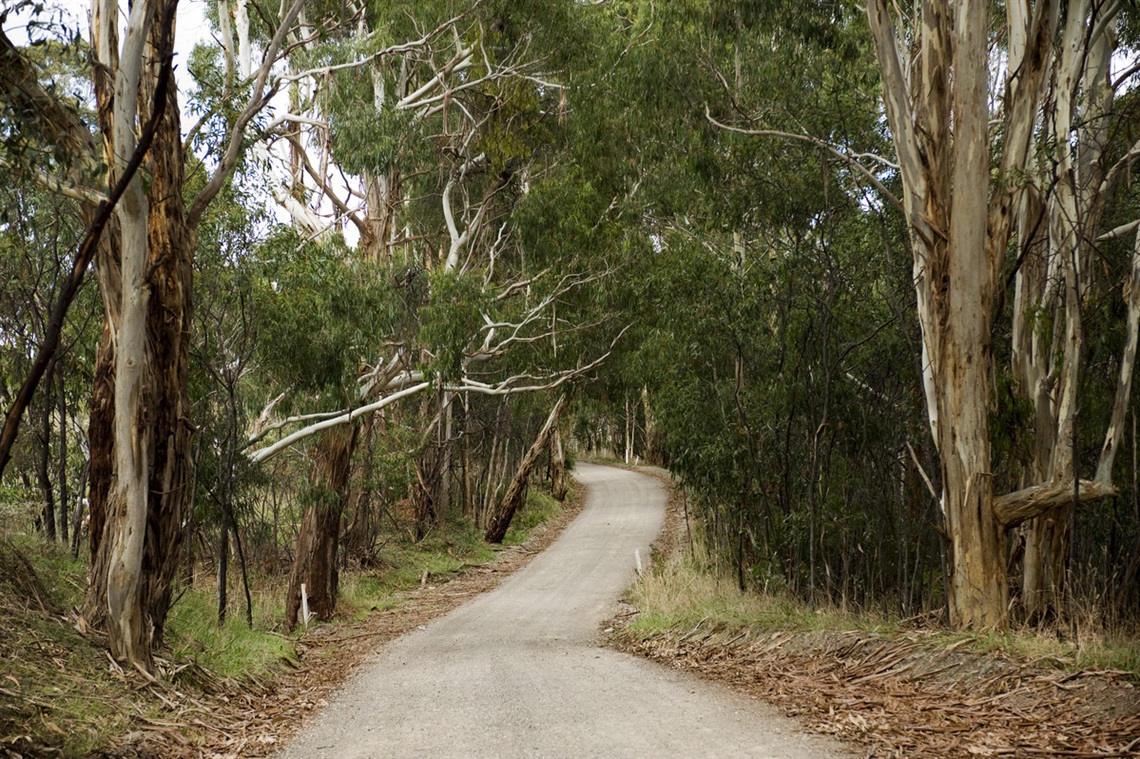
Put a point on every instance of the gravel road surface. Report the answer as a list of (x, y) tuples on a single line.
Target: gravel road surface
[(516, 672)]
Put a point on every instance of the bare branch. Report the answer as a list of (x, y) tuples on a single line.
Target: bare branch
[(268, 452), (258, 99), (849, 159), (405, 47), (1122, 231), (339, 204), (1013, 509), (57, 185)]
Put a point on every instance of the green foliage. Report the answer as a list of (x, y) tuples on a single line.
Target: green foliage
[(439, 555), (772, 327), (329, 314), (367, 140), (57, 58), (39, 234), (451, 320)]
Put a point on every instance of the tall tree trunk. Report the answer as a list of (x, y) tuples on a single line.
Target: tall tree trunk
[(444, 477), (77, 515), (223, 568), (629, 430), (147, 494), (169, 324), (967, 266), (1075, 209), (468, 505), (100, 467), (108, 268), (516, 491), (358, 535), (125, 532), (939, 125), (314, 564), (558, 485), (651, 456), (64, 490), (43, 470), (423, 496)]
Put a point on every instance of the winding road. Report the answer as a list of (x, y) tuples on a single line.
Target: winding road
[(516, 672)]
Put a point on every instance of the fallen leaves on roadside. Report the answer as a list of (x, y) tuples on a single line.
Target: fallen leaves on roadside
[(907, 697)]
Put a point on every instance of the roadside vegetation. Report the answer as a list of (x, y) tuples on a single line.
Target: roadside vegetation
[(684, 599), (899, 687), (403, 261), (60, 692), (684, 594)]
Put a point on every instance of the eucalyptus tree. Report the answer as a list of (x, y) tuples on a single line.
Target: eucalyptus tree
[(38, 233), (765, 308), (424, 149), (1010, 122), (225, 386), (139, 430), (1047, 88)]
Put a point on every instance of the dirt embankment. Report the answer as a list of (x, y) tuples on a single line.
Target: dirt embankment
[(907, 695)]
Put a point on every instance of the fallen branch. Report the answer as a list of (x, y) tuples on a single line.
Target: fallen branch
[(1014, 508)]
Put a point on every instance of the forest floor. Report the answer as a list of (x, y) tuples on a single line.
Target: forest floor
[(905, 694)]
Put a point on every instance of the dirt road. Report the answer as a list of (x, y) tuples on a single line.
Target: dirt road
[(515, 672)]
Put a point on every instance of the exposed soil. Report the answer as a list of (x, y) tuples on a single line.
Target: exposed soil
[(909, 695)]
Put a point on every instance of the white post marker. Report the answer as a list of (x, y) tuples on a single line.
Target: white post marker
[(304, 606)]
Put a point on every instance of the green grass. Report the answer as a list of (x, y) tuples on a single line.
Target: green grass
[(675, 597), (231, 649), (56, 691), (1084, 650), (459, 546), (540, 507)]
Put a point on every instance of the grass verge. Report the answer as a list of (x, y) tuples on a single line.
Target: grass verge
[(55, 692), (677, 595)]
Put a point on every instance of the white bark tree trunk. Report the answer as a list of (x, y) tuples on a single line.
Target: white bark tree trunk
[(938, 112), (129, 639)]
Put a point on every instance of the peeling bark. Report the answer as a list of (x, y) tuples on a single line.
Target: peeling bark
[(939, 117), (140, 432)]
